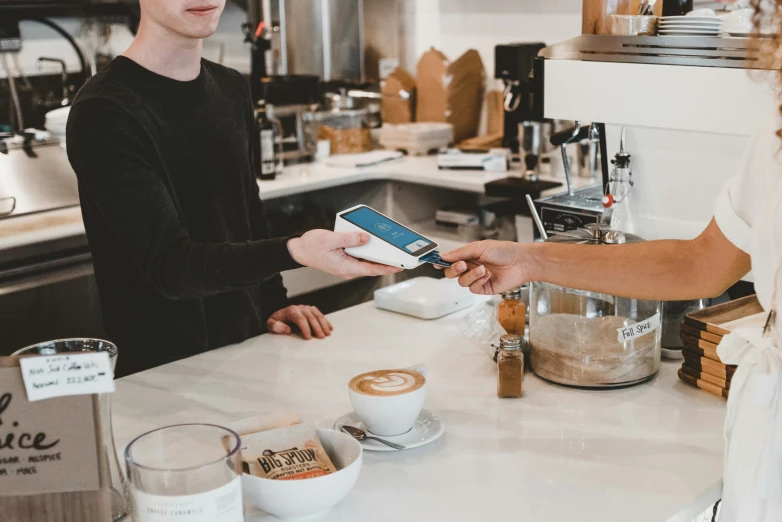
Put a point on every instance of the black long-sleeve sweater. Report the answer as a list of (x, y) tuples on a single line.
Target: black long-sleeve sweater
[(182, 252)]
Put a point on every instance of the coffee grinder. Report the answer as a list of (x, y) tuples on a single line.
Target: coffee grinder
[(522, 129), (513, 65)]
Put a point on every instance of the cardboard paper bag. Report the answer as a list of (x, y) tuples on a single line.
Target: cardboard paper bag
[(495, 113), (432, 82), (465, 95), (396, 109), (451, 91)]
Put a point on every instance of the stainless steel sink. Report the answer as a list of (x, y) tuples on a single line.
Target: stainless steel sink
[(36, 180)]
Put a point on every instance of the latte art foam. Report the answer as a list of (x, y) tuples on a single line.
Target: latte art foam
[(387, 382)]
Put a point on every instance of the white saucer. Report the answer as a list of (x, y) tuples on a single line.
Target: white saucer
[(691, 27), (428, 428), (688, 19), (687, 33), (693, 24)]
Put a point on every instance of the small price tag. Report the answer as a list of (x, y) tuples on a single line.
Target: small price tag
[(63, 375), (634, 331), (386, 66)]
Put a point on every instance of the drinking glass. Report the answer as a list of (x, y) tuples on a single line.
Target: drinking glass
[(186, 472), (118, 494)]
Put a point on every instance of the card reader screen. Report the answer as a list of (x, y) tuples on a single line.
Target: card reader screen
[(389, 231)]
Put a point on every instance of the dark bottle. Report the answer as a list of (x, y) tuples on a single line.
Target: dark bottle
[(267, 160)]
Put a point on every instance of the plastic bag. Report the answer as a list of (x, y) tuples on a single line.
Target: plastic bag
[(481, 326)]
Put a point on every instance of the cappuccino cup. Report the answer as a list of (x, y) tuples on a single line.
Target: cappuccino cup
[(389, 401)]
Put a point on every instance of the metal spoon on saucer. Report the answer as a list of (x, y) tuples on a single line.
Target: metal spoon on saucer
[(360, 434)]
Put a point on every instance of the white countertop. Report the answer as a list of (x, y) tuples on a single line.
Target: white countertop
[(422, 170), (296, 179), (639, 454)]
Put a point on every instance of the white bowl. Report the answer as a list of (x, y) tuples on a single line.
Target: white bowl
[(704, 12), (739, 21), (307, 498)]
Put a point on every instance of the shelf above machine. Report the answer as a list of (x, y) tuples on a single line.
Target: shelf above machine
[(698, 51)]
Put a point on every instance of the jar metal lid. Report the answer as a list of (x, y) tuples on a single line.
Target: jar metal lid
[(510, 342), (514, 294)]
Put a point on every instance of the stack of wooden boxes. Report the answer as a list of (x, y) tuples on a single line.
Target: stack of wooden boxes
[(702, 332)]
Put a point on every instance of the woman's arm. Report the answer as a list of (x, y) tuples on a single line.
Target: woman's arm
[(669, 270)]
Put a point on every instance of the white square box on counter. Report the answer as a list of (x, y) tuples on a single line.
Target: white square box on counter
[(425, 297)]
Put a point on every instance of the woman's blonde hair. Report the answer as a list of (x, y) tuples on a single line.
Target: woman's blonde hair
[(768, 14)]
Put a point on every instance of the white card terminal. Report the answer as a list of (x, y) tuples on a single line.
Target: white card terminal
[(425, 297), (390, 243)]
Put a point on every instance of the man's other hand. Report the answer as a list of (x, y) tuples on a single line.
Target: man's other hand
[(308, 319)]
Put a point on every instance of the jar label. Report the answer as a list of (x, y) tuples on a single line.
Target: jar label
[(223, 504), (267, 152), (267, 143), (634, 331)]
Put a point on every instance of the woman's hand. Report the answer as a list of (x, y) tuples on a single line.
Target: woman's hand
[(488, 267), (325, 250), (308, 319), (670, 270)]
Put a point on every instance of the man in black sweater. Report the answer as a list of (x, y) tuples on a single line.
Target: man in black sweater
[(161, 143)]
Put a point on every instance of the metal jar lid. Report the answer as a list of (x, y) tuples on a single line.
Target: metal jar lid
[(510, 342), (514, 294), (595, 234)]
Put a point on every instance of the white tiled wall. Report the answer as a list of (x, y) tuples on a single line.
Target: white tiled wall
[(454, 26)]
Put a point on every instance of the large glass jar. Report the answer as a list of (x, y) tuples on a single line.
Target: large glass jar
[(593, 340), (346, 129)]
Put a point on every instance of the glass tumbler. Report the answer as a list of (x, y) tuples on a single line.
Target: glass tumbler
[(186, 473), (119, 502)]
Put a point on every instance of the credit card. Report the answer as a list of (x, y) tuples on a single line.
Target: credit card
[(433, 257)]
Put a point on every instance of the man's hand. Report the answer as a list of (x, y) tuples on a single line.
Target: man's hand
[(325, 250), (308, 319), (487, 267)]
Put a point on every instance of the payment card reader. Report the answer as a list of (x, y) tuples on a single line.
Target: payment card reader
[(390, 243)]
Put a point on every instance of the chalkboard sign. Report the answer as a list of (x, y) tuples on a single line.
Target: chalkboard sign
[(52, 467)]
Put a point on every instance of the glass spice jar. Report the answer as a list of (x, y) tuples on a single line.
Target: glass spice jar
[(510, 367), (511, 312)]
